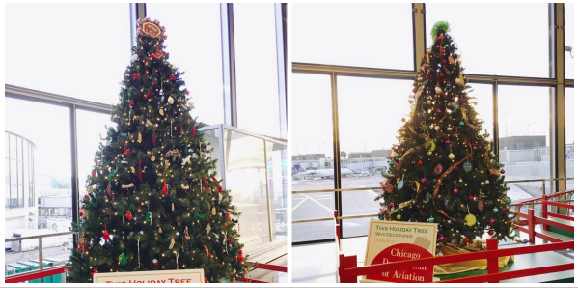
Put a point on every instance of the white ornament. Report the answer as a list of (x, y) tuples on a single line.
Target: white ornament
[(133, 58), (183, 186), (162, 112), (458, 81), (107, 142), (452, 156), (439, 90), (186, 160), (487, 182), (171, 100)]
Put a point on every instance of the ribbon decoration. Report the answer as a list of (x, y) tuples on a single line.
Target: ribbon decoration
[(446, 173), (466, 118), (421, 135)]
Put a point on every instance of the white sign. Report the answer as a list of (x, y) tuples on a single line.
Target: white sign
[(383, 234), (154, 276)]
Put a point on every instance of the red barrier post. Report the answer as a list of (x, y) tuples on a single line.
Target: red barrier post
[(531, 228), (544, 211), (493, 267), (347, 262)]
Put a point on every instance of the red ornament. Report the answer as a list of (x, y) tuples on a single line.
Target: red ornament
[(107, 213), (503, 171), (80, 213), (187, 92), (220, 189), (128, 215), (105, 234), (130, 102), (194, 131), (442, 75), (228, 216), (95, 271), (86, 198), (127, 152), (148, 95), (154, 139), (93, 173), (140, 175), (456, 168), (214, 179), (156, 263), (462, 100), (491, 232), (414, 90), (466, 240), (425, 57), (471, 197), (240, 257), (135, 76), (425, 67), (165, 189), (172, 77), (157, 54), (419, 162)]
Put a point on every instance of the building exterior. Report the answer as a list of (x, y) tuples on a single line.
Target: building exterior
[(20, 184)]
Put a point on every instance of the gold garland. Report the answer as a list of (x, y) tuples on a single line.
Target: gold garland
[(487, 160)]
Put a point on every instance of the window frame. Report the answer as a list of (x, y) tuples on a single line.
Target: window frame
[(557, 97)]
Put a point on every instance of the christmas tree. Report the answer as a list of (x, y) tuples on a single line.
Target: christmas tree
[(153, 201), (443, 170)]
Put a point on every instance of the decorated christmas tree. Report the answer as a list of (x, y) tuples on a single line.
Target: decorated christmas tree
[(443, 170), (153, 201)]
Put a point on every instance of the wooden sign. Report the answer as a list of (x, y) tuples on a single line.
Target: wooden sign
[(155, 276), (391, 241)]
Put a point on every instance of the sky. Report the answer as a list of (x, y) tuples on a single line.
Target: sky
[(370, 109)]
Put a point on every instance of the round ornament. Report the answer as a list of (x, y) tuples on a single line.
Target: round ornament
[(462, 123), (503, 171), (398, 216), (439, 90), (171, 100), (389, 188), (458, 81), (423, 181), (452, 156), (491, 232), (468, 166), (496, 210), (419, 163), (155, 262), (492, 221), (455, 191), (507, 201), (438, 169), (430, 219), (471, 219)]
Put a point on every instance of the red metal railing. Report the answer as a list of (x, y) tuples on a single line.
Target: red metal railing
[(33, 275), (348, 270), (533, 220), (264, 267)]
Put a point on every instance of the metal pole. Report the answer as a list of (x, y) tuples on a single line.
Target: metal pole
[(336, 150), (74, 168), (228, 52), (281, 68), (40, 255), (419, 35)]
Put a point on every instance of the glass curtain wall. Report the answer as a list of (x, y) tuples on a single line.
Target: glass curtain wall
[(359, 73)]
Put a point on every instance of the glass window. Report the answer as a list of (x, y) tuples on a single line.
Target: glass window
[(569, 39), (47, 126), (364, 151), (194, 44), (256, 69), (513, 42), (524, 142), (90, 129), (368, 35), (484, 105), (312, 156), (246, 178), (569, 136), (80, 44), (277, 174)]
